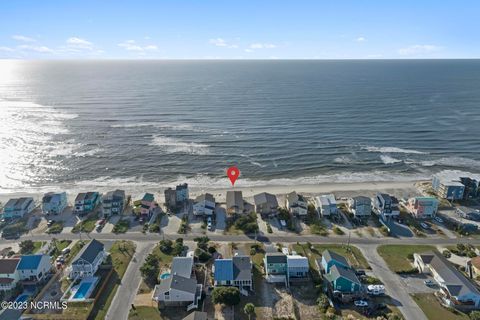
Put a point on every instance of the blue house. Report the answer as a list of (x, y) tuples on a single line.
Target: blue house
[(34, 267), (343, 280), (330, 259), (54, 203)]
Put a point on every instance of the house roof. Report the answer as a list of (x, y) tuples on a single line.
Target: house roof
[(329, 255), (8, 265), (361, 200), (90, 251), (265, 197), (386, 197), (81, 196), (182, 266), (205, 197), (91, 195), (178, 283), (196, 315), (223, 269), (236, 268), (234, 199), (30, 262), (297, 261), (115, 194), (148, 197), (276, 257), (456, 283), (182, 186), (18, 203), (337, 272)]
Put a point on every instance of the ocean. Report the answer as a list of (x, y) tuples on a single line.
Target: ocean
[(150, 124)]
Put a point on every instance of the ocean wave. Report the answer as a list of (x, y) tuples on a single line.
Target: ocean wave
[(452, 162), (392, 150), (343, 160), (162, 125), (386, 159), (172, 145)]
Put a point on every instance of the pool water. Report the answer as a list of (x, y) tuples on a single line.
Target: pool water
[(82, 290), (165, 275), (85, 289)]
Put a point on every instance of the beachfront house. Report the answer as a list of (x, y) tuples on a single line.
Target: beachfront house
[(34, 267), (204, 205), (276, 266), (360, 206), (422, 207), (343, 280), (179, 287), (386, 206), (18, 207), (297, 266), (54, 203), (86, 202), (266, 204), (326, 205), (181, 192), (145, 206), (88, 260), (170, 199), (236, 271), (455, 289), (8, 273), (297, 204), (113, 202), (330, 259), (472, 187), (448, 188), (235, 203)]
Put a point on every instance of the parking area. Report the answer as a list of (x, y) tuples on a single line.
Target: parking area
[(416, 283)]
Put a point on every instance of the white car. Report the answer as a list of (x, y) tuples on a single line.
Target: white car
[(360, 303), (424, 225), (438, 219)]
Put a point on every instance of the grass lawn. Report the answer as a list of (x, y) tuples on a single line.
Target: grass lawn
[(121, 253), (60, 245), (352, 253), (37, 245), (55, 228), (165, 261), (121, 226), (434, 310), (75, 249), (144, 313), (86, 225), (396, 256)]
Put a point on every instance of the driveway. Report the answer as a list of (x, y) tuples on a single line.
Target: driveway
[(128, 288), (395, 287), (111, 223)]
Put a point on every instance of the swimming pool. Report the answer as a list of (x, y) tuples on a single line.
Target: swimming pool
[(165, 275), (84, 289), (22, 298)]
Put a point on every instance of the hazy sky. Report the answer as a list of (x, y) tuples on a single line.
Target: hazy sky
[(246, 29)]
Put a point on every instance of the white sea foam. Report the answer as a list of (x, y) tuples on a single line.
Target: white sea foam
[(392, 150), (343, 160), (162, 125), (452, 162), (173, 145), (386, 159)]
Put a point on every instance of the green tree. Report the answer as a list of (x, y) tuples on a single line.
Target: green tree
[(249, 309), (323, 302), (226, 295), (166, 246), (27, 247), (475, 315), (150, 269)]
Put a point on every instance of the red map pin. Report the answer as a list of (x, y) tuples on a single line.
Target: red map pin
[(233, 174)]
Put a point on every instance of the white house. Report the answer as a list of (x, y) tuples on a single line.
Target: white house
[(54, 203), (8, 273), (34, 267), (455, 288), (180, 288), (297, 266), (360, 206), (297, 204), (18, 207), (326, 204), (204, 205), (88, 260)]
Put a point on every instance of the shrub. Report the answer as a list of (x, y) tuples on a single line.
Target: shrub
[(323, 302), (202, 255), (150, 269), (384, 231), (474, 315), (226, 295), (338, 231), (447, 254), (212, 250), (247, 223), (27, 247), (166, 246)]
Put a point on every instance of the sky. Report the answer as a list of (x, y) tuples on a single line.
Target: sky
[(239, 29)]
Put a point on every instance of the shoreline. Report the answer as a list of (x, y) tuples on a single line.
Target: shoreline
[(340, 189)]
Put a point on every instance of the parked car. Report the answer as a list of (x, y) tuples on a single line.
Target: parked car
[(424, 225), (209, 224), (438, 219), (429, 283), (100, 223), (50, 223), (359, 273), (360, 303), (65, 251)]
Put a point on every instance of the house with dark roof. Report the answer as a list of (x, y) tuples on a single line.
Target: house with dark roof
[(86, 202), (276, 267), (113, 202), (34, 267), (360, 206), (266, 204), (8, 273), (235, 203), (386, 205), (196, 315), (297, 204), (18, 207), (343, 280), (54, 203), (236, 271), (204, 205), (180, 288), (455, 289), (330, 259), (88, 260)]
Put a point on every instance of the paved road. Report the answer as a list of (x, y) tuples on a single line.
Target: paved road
[(128, 288), (394, 286)]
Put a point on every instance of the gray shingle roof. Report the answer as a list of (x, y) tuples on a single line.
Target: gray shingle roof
[(8, 265), (234, 199), (205, 197), (265, 197), (242, 268), (182, 266), (179, 283), (89, 252), (330, 255), (336, 272)]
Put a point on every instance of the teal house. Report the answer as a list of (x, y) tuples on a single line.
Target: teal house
[(343, 280), (276, 267), (330, 259)]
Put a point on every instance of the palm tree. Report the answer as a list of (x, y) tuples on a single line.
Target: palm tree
[(249, 309)]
